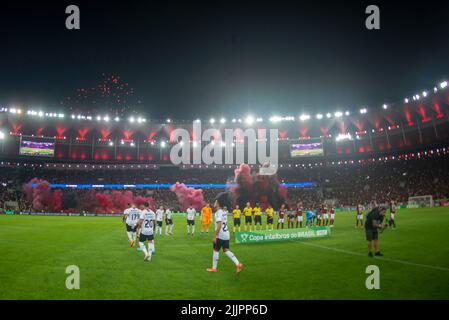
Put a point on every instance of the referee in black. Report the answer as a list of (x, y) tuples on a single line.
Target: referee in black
[(373, 224)]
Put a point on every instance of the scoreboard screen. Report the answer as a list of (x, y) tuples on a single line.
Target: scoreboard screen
[(312, 149)]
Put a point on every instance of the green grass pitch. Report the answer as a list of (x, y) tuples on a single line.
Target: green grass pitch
[(35, 250)]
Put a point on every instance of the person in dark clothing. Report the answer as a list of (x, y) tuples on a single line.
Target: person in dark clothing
[(373, 224)]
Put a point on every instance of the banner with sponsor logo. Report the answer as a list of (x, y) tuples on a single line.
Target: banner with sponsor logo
[(282, 235)]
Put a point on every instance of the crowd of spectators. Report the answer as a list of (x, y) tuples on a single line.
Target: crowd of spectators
[(345, 185)]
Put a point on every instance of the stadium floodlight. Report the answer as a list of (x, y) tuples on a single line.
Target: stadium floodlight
[(163, 144), (40, 114), (98, 118), (139, 120), (197, 121), (328, 115), (406, 100), (106, 118), (424, 94), (338, 114), (239, 120), (234, 120), (343, 136), (212, 121), (319, 116), (435, 89), (275, 119), (132, 144), (132, 120), (304, 117), (259, 119), (61, 115), (222, 120), (72, 116), (347, 113), (13, 110), (363, 111), (2, 135), (89, 118), (385, 106), (111, 143), (116, 119), (168, 120), (249, 120), (443, 84)]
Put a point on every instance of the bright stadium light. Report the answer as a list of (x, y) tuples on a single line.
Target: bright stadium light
[(168, 120), (249, 120), (111, 143), (234, 120), (132, 119), (2, 135), (212, 121), (342, 136), (98, 118), (385, 106), (275, 119), (424, 94), (40, 114), (347, 113), (338, 114), (163, 144), (443, 84), (106, 118), (328, 115), (197, 121), (304, 117), (406, 100), (435, 89), (61, 115), (194, 144), (319, 116), (222, 120), (363, 111), (72, 116), (259, 119), (116, 119)]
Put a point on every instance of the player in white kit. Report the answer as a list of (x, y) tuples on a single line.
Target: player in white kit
[(222, 235), (168, 222), (191, 220), (131, 217), (159, 219), (146, 225)]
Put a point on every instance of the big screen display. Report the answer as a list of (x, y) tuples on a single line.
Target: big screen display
[(29, 147), (312, 149)]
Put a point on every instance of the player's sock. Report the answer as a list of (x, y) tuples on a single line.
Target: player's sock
[(193, 229), (130, 236), (142, 247), (215, 258), (231, 256), (188, 229), (171, 228), (151, 247)]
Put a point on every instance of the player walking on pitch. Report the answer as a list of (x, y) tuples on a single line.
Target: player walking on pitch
[(332, 211), (221, 236), (146, 225), (206, 218), (168, 222), (191, 220), (359, 216), (299, 213), (159, 219), (131, 218), (391, 222), (281, 217)]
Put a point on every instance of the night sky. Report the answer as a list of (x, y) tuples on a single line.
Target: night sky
[(225, 58)]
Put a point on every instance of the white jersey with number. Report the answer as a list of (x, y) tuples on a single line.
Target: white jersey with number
[(191, 214), (168, 214), (159, 214), (221, 216), (148, 217), (133, 216)]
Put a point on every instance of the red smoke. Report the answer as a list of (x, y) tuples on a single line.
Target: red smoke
[(188, 196)]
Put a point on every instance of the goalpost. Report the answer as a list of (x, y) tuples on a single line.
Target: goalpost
[(420, 202)]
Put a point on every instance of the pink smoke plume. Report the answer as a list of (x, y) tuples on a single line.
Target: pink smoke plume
[(39, 194), (188, 196)]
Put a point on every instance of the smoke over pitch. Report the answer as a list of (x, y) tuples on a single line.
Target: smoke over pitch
[(43, 198)]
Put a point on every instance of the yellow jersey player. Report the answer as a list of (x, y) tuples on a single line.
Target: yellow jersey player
[(257, 217), (270, 214), (247, 212), (236, 213), (206, 218)]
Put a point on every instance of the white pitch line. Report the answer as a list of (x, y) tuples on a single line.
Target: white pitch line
[(379, 258)]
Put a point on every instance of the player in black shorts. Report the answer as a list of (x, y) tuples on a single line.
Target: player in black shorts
[(373, 224)]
